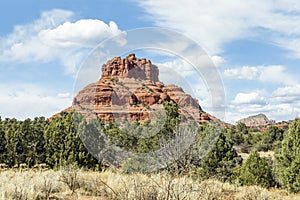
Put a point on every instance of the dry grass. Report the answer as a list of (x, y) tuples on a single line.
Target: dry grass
[(108, 185), (266, 154)]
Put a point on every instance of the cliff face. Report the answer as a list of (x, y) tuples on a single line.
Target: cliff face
[(129, 89), (130, 67)]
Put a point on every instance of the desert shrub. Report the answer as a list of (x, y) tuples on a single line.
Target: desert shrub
[(210, 189), (254, 193), (69, 175), (256, 171), (19, 193), (138, 163), (47, 188), (109, 186)]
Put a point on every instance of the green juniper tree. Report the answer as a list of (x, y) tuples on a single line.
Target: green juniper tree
[(272, 137), (36, 154), (288, 158), (3, 150), (151, 137), (234, 136), (221, 159), (256, 171), (63, 144), (13, 141)]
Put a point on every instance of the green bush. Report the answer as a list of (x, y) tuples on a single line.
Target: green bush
[(140, 163), (221, 160), (256, 171), (288, 158), (271, 137)]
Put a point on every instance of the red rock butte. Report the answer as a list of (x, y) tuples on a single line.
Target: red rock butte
[(130, 67), (129, 89)]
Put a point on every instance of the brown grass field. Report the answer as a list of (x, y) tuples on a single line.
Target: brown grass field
[(70, 183)]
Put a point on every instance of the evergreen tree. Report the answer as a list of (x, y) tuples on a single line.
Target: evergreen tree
[(125, 138), (242, 128), (150, 137), (172, 117), (271, 137), (13, 143), (256, 171), (3, 150), (235, 136), (288, 158), (221, 159), (54, 142), (146, 137), (95, 141), (63, 144), (36, 154), (25, 136)]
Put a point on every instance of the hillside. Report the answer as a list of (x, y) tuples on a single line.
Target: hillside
[(257, 120), (262, 122)]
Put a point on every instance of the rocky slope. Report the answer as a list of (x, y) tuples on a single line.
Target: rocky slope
[(257, 121), (129, 89)]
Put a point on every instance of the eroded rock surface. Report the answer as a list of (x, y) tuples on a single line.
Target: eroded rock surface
[(129, 89), (257, 121)]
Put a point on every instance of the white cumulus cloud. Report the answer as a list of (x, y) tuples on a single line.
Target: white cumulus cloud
[(218, 60), (82, 33), (246, 73), (273, 74), (249, 98), (276, 74), (288, 94), (54, 36)]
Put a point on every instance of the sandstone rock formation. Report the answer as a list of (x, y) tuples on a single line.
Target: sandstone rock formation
[(257, 121), (130, 67), (129, 89)]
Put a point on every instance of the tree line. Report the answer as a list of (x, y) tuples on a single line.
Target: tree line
[(61, 141), (39, 140)]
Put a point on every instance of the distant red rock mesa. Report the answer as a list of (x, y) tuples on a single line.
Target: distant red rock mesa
[(129, 89), (257, 121)]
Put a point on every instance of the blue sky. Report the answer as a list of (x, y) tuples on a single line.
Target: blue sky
[(255, 46)]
